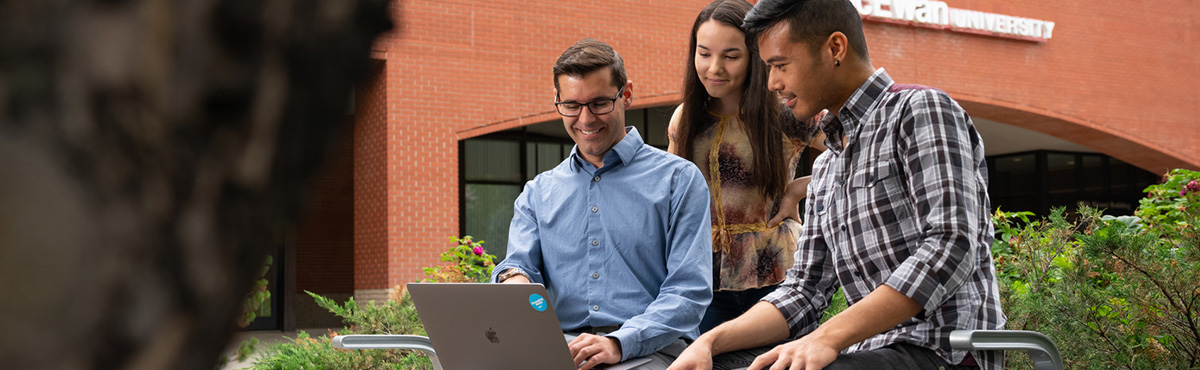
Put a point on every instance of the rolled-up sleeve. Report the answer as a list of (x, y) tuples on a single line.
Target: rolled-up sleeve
[(937, 144)]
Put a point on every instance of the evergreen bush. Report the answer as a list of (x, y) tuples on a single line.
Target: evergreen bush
[(1113, 292), (395, 316)]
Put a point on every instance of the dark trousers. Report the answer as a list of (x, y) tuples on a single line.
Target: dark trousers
[(900, 356), (727, 305)]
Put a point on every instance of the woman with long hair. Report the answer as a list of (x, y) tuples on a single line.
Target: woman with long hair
[(734, 129)]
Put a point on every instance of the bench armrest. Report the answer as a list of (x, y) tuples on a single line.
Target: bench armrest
[(388, 341), (1040, 349)]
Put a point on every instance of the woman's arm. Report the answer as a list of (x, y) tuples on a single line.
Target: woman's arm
[(789, 205), (672, 130)]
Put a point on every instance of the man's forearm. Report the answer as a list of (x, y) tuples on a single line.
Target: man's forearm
[(881, 310), (763, 324)]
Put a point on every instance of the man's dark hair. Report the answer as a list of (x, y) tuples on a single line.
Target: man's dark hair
[(811, 21), (586, 56)]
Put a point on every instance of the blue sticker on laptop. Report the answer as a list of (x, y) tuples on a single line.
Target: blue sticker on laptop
[(537, 302)]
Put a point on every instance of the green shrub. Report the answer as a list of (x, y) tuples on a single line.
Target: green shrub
[(837, 304), (257, 303), (397, 315), (471, 263), (394, 316), (1113, 292), (305, 352), (1172, 205)]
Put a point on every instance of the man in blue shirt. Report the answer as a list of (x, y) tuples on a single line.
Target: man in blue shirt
[(619, 232)]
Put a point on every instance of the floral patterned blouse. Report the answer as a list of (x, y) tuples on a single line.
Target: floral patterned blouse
[(747, 253)]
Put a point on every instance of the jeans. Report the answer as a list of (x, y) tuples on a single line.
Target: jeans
[(727, 305)]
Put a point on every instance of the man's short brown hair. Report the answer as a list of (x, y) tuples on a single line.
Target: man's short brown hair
[(586, 56)]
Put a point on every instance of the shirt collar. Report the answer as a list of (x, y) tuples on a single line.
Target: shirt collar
[(623, 152), (851, 115)]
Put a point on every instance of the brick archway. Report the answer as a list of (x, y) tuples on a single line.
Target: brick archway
[(1133, 150)]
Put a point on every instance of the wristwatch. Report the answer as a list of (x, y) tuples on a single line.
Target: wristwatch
[(508, 274)]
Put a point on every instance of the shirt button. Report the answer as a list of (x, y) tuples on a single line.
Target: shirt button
[(594, 209), (597, 178), (843, 227), (820, 207), (841, 183), (595, 242), (595, 275), (595, 308)]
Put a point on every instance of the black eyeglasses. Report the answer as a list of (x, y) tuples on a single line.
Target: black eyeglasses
[(597, 107)]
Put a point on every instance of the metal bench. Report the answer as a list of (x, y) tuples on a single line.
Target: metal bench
[(388, 341), (1040, 349)]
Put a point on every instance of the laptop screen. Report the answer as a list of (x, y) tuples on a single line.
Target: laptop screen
[(491, 326)]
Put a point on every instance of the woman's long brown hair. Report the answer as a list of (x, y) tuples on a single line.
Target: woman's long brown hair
[(760, 109)]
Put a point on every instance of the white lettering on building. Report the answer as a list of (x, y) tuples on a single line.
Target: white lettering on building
[(936, 14)]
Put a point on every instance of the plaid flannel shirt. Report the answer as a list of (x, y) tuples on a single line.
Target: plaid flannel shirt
[(904, 204)]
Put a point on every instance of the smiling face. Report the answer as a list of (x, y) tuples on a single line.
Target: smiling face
[(722, 61), (800, 75), (594, 134)]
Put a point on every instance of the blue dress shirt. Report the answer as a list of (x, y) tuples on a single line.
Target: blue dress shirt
[(627, 244)]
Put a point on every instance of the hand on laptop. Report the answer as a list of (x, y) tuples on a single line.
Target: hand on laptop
[(590, 350)]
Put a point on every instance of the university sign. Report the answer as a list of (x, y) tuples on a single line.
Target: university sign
[(936, 14)]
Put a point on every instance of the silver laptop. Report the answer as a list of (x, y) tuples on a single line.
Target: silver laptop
[(475, 326)]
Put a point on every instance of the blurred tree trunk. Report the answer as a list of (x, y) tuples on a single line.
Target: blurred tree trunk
[(147, 150)]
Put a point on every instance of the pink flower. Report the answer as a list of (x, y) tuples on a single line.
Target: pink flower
[(1193, 186), (478, 251)]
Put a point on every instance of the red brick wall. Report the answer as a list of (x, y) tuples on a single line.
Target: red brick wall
[(1116, 77), (370, 182), (458, 69), (325, 231)]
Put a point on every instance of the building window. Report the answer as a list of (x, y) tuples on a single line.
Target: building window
[(1040, 180), (494, 168)]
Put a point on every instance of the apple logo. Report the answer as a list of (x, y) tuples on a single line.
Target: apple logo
[(491, 336)]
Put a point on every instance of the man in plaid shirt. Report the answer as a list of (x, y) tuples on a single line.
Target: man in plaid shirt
[(897, 214)]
